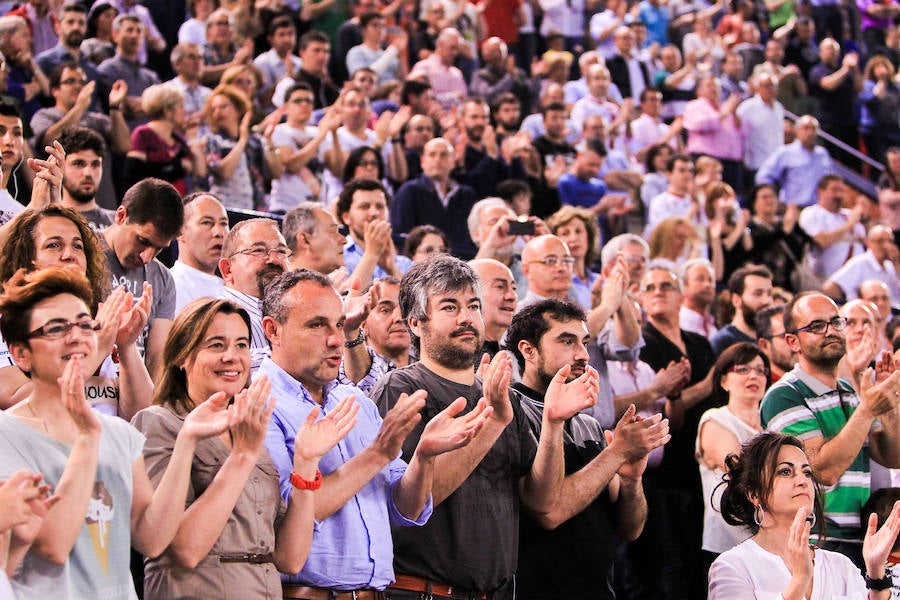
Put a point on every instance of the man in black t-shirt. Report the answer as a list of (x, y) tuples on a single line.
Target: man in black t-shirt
[(470, 544), (568, 553)]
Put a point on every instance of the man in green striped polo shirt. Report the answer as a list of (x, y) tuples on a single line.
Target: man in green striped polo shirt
[(840, 428)]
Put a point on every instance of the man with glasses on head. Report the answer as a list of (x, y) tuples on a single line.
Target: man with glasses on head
[(841, 428), (254, 254)]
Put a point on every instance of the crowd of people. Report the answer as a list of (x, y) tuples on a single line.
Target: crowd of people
[(410, 300)]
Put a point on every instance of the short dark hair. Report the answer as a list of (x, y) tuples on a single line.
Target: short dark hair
[(273, 304), (313, 36), (413, 87), (56, 74), (670, 164), (647, 91), (156, 202), (73, 7), (417, 234), (741, 353), (366, 18), (826, 180), (553, 107), (738, 280), (300, 85), (764, 321), (504, 98), (592, 145), (280, 22), (881, 503), (510, 188), (77, 139), (8, 108), (652, 153), (345, 200), (755, 192), (532, 322), (355, 157)]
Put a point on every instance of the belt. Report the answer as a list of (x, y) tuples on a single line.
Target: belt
[(253, 559), (305, 592), (417, 584)]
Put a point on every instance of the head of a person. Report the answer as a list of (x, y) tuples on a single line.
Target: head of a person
[(164, 102), (100, 19), (815, 330), (299, 100), (361, 7), (830, 191), (498, 293), (66, 81), (651, 102), (226, 106), (55, 237), (434, 14), (657, 157), (315, 48), (598, 80), (770, 476), (670, 57), (282, 35), (437, 159), (741, 371), (806, 130), (254, 254), (315, 237), (219, 27), (829, 51), (364, 163), (205, 227), (589, 159), (12, 140), (624, 40), (15, 36), (363, 80), (892, 161), (507, 111), (660, 293), (424, 241), (484, 215), (45, 318), (766, 86), (150, 217), (517, 194), (878, 293), (862, 319), (670, 238), (880, 504), (303, 321), (708, 88), (355, 108), (805, 29), (475, 118), (680, 168), (71, 24), (247, 78), (733, 65), (774, 52), (207, 351), (418, 95), (879, 68), (880, 242), (361, 202), (751, 291), (698, 277), (187, 61), (447, 45), (384, 328), (83, 166), (127, 33), (419, 130), (371, 24), (577, 227), (440, 299), (770, 338), (554, 117), (547, 264), (764, 200), (709, 170), (721, 200), (635, 251), (546, 336), (494, 52)]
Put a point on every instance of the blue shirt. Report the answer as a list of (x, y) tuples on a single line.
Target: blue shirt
[(796, 171), (352, 548), (353, 254), (657, 21), (578, 192)]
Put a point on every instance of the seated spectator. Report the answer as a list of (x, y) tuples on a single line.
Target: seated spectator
[(98, 44), (491, 223), (863, 340), (581, 186), (363, 163), (418, 130), (635, 252), (199, 250), (878, 262), (655, 179), (158, 148), (82, 173), (239, 162), (678, 199), (596, 102), (577, 227), (314, 237), (424, 241), (750, 290), (770, 336)]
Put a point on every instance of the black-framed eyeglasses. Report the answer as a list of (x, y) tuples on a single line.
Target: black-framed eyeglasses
[(263, 252), (819, 326), (56, 330)]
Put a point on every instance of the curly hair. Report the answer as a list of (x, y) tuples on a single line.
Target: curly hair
[(566, 215), (19, 251)]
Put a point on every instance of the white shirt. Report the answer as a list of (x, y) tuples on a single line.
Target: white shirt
[(669, 205), (645, 131), (629, 378), (816, 219), (289, 190), (763, 129), (863, 267), (272, 66), (9, 208), (691, 320), (598, 23), (191, 284)]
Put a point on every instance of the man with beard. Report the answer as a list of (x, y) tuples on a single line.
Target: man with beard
[(82, 174), (72, 90), (71, 28), (254, 254), (479, 163), (507, 113), (128, 34), (498, 291), (569, 552), (370, 252), (770, 339), (751, 290), (150, 217), (199, 249), (469, 547), (840, 428), (698, 279)]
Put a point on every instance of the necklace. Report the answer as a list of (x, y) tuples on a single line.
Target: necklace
[(36, 417)]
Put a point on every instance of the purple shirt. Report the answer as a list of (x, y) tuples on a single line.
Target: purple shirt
[(709, 134)]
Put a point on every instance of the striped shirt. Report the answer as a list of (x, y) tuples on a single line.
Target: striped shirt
[(259, 345), (803, 406)]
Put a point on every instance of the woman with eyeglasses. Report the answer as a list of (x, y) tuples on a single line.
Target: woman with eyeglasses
[(577, 227), (424, 241), (93, 461), (740, 379), (772, 492), (237, 533), (364, 163)]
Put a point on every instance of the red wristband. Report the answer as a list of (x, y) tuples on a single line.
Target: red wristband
[(305, 484)]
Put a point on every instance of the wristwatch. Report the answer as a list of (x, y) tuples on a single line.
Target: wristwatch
[(354, 343), (878, 584)]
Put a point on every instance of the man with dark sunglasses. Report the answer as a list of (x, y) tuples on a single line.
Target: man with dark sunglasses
[(842, 428)]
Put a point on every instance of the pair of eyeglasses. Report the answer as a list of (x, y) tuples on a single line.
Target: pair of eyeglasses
[(429, 250), (819, 326), (56, 330), (552, 261), (367, 163), (302, 101), (73, 81), (263, 252), (664, 287), (747, 369)]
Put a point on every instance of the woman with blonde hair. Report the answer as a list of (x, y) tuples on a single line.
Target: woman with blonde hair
[(673, 240), (577, 227), (159, 148)]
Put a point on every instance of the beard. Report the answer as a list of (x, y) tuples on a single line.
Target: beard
[(546, 375), (749, 315), (266, 276), (826, 354), (79, 195), (74, 39), (475, 133), (448, 354)]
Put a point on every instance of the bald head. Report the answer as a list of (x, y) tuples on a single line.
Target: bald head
[(547, 264)]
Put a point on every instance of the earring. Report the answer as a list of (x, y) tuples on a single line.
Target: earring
[(758, 515), (811, 519)]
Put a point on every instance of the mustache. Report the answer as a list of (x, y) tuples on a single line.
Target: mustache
[(466, 329)]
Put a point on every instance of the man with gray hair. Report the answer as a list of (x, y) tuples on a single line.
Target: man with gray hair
[(503, 466), (635, 252), (879, 261), (446, 80), (314, 237), (498, 75), (187, 62), (698, 279)]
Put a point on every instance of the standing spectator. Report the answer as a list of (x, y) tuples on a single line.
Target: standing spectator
[(42, 22), (577, 228), (602, 26), (749, 291), (279, 60), (770, 336), (564, 17), (713, 129), (835, 83), (879, 121), (630, 74), (655, 15), (125, 65), (796, 167), (199, 250), (187, 61), (597, 101), (733, 78), (446, 80), (98, 44), (220, 51), (152, 38), (500, 75), (889, 192), (777, 240), (878, 263), (792, 89), (875, 19), (193, 30), (678, 199), (314, 51), (388, 63), (730, 242), (71, 28), (699, 290), (761, 118), (801, 47), (649, 130), (676, 81)]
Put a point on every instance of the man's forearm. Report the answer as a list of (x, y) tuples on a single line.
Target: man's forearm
[(452, 468), (541, 488), (631, 509), (412, 491), (343, 483)]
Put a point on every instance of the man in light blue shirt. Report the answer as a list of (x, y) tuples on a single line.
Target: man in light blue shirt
[(366, 488), (797, 167)]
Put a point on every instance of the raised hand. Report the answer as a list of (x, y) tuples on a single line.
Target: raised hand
[(134, 319), (878, 543), (357, 305), (244, 128), (879, 398), (859, 355), (635, 437), (249, 418), (19, 495), (208, 419), (109, 317), (398, 422), (71, 387), (670, 380), (446, 431), (564, 400), (885, 366), (118, 92), (798, 556), (495, 386), (315, 438)]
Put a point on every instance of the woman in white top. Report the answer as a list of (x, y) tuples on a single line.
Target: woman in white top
[(771, 490), (740, 379)]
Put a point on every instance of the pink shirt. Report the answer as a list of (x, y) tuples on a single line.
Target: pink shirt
[(448, 83), (709, 134)]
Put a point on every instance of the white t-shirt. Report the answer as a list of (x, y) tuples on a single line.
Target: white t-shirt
[(289, 190), (816, 219), (191, 283)]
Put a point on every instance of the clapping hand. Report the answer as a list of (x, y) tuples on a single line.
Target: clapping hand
[(249, 418), (564, 400), (71, 387), (316, 437), (208, 419), (446, 431), (878, 543)]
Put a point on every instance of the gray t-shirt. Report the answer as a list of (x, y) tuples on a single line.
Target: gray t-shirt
[(98, 566), (471, 540)]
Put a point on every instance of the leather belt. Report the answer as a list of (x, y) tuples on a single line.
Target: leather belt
[(417, 584), (305, 592), (253, 559)]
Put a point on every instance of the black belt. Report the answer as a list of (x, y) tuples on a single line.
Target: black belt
[(253, 559)]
